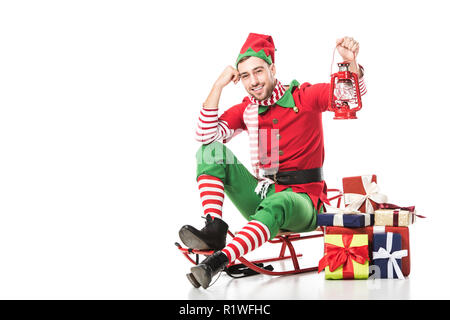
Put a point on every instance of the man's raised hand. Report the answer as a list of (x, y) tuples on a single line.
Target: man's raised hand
[(348, 48), (228, 75)]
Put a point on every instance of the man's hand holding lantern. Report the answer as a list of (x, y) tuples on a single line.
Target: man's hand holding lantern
[(348, 49)]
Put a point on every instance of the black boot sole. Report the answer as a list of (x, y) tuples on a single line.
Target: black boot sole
[(201, 275), (193, 281), (192, 241)]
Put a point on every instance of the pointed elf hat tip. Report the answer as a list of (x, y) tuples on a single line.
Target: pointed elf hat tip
[(258, 45)]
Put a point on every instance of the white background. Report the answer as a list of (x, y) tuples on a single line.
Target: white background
[(98, 105)]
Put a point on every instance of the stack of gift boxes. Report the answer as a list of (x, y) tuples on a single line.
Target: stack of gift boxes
[(368, 233)]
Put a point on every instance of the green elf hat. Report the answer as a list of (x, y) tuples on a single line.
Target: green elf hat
[(258, 45)]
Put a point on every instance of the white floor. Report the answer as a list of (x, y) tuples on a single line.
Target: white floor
[(305, 286)]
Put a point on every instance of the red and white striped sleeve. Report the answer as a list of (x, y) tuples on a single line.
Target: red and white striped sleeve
[(362, 85), (210, 128)]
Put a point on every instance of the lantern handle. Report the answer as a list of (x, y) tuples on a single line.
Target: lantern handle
[(332, 61)]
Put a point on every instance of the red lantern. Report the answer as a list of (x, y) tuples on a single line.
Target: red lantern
[(344, 85)]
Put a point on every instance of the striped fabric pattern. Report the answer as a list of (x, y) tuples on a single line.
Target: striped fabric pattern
[(210, 128), (362, 87), (251, 121), (211, 195), (252, 236)]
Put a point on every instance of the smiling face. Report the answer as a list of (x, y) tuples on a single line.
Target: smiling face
[(257, 77)]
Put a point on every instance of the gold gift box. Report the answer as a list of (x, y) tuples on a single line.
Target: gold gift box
[(394, 217)]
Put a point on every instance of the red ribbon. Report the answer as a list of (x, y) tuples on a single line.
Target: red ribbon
[(336, 256), (395, 218), (393, 206)]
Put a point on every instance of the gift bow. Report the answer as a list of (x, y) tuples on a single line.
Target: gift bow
[(337, 256), (383, 253), (356, 200)]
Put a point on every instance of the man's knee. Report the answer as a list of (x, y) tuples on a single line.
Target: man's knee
[(272, 211), (290, 211)]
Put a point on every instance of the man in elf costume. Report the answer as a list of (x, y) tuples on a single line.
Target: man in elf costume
[(284, 124)]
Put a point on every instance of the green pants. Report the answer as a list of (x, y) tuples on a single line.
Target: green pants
[(284, 210)]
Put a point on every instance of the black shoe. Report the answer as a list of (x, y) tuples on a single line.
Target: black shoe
[(211, 237), (207, 269), (194, 282)]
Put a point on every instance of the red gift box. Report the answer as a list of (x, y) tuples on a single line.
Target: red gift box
[(403, 231), (364, 186)]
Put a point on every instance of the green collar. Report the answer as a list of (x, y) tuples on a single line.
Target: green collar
[(286, 101)]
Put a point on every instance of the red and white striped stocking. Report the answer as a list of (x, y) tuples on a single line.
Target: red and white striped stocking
[(211, 194), (252, 236)]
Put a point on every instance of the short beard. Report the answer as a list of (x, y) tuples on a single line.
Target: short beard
[(269, 94)]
